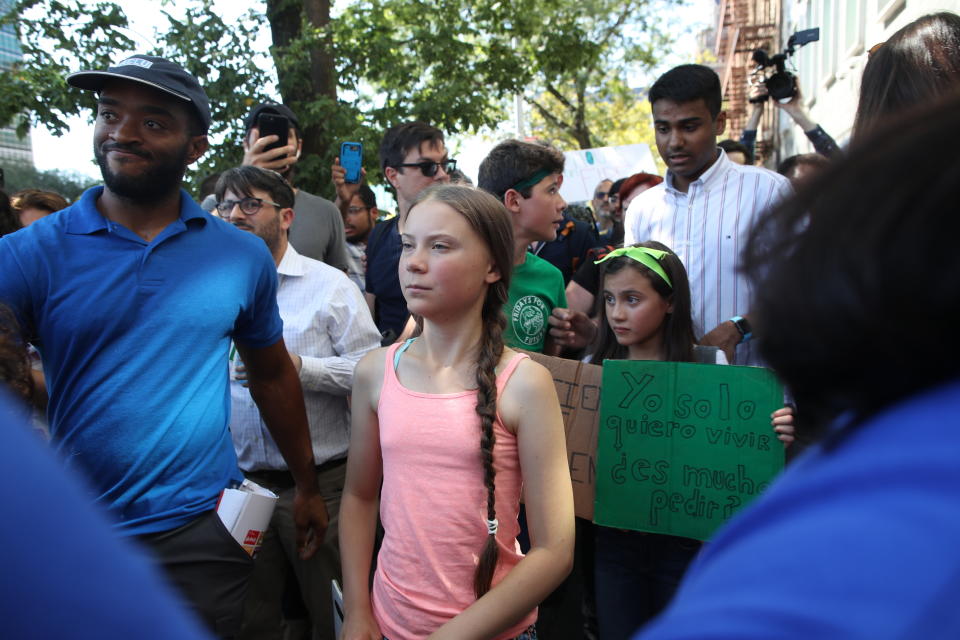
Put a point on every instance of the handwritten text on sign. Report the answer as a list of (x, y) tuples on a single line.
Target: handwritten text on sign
[(682, 446), (578, 390)]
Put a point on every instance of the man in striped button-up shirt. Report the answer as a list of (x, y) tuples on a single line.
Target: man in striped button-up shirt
[(327, 328), (706, 207)]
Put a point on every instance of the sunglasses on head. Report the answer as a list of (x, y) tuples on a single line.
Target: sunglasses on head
[(429, 168)]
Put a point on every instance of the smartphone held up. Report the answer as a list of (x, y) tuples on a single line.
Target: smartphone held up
[(351, 159), (271, 124)]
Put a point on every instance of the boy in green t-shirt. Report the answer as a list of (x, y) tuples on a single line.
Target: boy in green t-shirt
[(526, 177)]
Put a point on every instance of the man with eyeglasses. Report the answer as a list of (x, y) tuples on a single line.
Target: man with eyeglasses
[(317, 230), (359, 218), (327, 328), (412, 157), (132, 296)]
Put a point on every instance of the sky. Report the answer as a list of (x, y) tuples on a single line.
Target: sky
[(73, 151)]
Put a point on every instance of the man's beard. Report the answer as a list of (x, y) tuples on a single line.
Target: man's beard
[(157, 181), (270, 233)]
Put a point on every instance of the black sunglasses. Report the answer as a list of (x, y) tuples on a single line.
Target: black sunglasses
[(249, 206), (600, 195), (429, 168)]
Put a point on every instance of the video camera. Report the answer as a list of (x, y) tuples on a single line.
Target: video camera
[(782, 85)]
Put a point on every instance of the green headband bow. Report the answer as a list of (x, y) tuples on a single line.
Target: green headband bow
[(647, 257)]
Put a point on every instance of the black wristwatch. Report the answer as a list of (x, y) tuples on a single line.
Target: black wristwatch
[(743, 326)]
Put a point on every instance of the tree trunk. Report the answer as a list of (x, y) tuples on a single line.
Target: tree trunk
[(581, 130), (303, 80), (582, 135), (321, 56), (284, 18)]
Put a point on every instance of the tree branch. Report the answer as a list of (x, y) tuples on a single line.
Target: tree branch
[(616, 26), (626, 12), (560, 97), (552, 119)]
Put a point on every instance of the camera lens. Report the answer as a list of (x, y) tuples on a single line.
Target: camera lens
[(781, 86)]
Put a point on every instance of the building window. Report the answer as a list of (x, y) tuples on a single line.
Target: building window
[(828, 42), (887, 8), (853, 20)]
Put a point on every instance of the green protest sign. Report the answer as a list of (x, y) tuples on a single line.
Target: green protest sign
[(682, 446)]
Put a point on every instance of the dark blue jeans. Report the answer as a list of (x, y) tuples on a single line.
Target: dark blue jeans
[(636, 576)]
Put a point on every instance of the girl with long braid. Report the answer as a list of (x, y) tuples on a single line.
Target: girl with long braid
[(454, 424)]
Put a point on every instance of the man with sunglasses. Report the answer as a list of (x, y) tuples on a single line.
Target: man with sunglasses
[(327, 328), (413, 157), (601, 204), (317, 230), (133, 295)]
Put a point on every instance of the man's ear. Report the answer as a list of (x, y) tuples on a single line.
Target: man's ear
[(299, 143), (720, 123), (286, 218), (197, 146), (249, 138), (391, 175), (511, 200)]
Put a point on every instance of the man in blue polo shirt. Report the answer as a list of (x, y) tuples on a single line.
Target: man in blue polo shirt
[(132, 295)]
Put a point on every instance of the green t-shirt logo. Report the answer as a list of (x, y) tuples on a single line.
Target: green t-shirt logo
[(529, 319)]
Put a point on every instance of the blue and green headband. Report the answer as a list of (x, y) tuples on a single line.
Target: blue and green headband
[(650, 258), (532, 180)]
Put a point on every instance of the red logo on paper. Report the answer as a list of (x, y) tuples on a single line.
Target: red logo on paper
[(253, 538)]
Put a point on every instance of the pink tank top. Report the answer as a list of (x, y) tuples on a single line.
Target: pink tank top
[(433, 506)]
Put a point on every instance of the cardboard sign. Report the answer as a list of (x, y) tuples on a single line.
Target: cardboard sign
[(578, 389), (683, 446)]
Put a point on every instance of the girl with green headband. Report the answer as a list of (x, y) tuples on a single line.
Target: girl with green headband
[(644, 314)]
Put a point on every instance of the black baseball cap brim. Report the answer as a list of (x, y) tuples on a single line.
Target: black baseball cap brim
[(94, 81), (152, 71)]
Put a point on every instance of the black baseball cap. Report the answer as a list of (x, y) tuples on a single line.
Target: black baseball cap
[(152, 71), (270, 107)]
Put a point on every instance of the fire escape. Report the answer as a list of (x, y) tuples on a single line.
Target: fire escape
[(742, 26)]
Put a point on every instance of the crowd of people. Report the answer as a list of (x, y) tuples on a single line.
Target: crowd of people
[(372, 371)]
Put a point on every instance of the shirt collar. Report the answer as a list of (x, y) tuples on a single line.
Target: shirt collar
[(292, 263), (711, 176), (85, 218)]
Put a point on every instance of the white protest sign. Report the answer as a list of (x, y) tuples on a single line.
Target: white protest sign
[(584, 169)]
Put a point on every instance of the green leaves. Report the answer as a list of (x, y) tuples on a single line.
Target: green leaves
[(222, 58), (64, 35), (591, 47), (349, 76)]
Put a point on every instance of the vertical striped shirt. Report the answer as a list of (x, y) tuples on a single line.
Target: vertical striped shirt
[(707, 228)]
